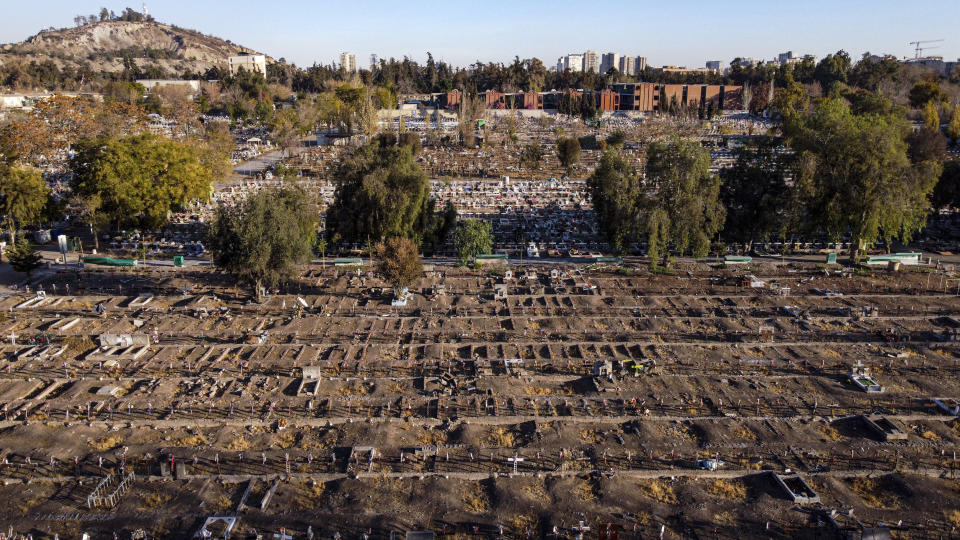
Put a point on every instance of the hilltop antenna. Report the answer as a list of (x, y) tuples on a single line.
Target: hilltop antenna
[(145, 14)]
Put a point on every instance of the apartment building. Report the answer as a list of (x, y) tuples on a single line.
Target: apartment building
[(348, 61), (255, 63)]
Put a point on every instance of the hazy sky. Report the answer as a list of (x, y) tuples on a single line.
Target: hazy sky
[(687, 32)]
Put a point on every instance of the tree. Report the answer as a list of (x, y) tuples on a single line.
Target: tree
[(86, 210), (23, 194), (140, 179), (924, 92), (926, 145), (530, 155), (410, 139), (755, 191), (855, 175), (947, 192), (22, 256), (380, 191), (262, 241), (568, 152), (472, 238), (687, 193), (617, 138), (615, 191), (399, 263), (953, 128), (834, 68), (321, 246), (791, 99), (931, 118)]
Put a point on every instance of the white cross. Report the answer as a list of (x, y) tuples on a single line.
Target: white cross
[(515, 461)]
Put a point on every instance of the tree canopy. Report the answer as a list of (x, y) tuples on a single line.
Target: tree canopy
[(380, 192), (23, 194), (615, 191), (262, 241), (686, 193), (472, 238), (139, 179), (855, 175), (676, 205), (755, 191), (568, 152), (22, 256), (398, 262)]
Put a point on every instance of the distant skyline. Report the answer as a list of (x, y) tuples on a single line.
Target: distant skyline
[(667, 33)]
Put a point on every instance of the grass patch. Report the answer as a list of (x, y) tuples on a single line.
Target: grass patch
[(501, 437), (725, 489), (874, 493), (105, 443), (475, 498), (238, 444), (829, 432), (658, 491)]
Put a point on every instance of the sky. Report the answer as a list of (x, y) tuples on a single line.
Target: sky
[(667, 32)]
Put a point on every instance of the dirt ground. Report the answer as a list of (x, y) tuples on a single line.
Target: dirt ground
[(557, 411)]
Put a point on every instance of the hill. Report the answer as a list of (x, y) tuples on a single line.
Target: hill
[(115, 46)]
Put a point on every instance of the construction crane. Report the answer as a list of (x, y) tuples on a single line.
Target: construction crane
[(918, 49)]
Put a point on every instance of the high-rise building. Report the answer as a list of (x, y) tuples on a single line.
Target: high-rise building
[(640, 65), (610, 60), (626, 65), (785, 58), (591, 61), (573, 62), (715, 65), (348, 61)]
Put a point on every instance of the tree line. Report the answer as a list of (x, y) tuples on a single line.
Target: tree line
[(842, 167)]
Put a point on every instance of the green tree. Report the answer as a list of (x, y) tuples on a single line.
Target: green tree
[(23, 194), (791, 99), (931, 118), (616, 139), (380, 191), (321, 247), (262, 241), (22, 256), (472, 238), (759, 201), (140, 179), (86, 210), (855, 175), (834, 68), (399, 263), (924, 92), (615, 191), (687, 193), (410, 139), (568, 152), (531, 155), (947, 192), (953, 128)]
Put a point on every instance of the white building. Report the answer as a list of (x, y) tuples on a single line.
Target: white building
[(348, 61), (573, 62), (192, 87), (640, 64), (255, 63), (610, 60), (591, 61), (627, 65)]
